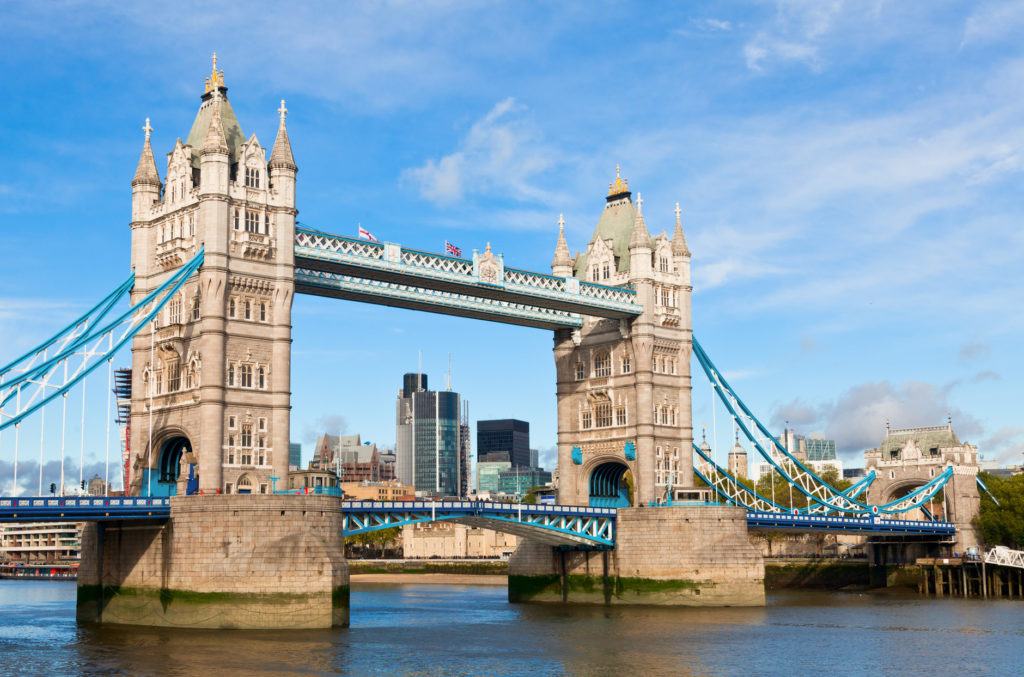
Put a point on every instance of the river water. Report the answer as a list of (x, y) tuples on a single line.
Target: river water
[(412, 629)]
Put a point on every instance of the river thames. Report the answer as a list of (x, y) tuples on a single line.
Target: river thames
[(419, 629)]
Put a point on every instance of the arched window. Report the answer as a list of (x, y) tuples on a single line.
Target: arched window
[(263, 312), (259, 378), (236, 218), (195, 307), (231, 308), (603, 364), (231, 374), (248, 310)]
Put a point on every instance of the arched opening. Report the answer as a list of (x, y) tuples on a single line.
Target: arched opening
[(244, 485), (933, 509), (611, 486), (165, 475)]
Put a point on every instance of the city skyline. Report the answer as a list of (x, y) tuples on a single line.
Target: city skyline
[(847, 181)]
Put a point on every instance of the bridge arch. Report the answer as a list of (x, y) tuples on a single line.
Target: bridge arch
[(609, 484), (162, 478), (901, 487)]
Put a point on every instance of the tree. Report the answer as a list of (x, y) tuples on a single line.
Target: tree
[(373, 540), (1002, 524)]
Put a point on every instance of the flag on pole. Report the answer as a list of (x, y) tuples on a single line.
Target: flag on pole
[(449, 248), (367, 235)]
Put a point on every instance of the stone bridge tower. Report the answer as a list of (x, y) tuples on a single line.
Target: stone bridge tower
[(211, 381), (624, 386), (911, 457)]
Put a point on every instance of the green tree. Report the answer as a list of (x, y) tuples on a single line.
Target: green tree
[(372, 542), (1002, 524)]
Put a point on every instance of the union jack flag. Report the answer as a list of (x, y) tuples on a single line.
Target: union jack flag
[(449, 248)]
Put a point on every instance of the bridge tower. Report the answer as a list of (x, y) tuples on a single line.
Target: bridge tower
[(910, 457), (624, 386), (212, 378)]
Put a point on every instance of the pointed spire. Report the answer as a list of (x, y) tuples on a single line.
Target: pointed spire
[(215, 141), (679, 247), (281, 156), (216, 79), (146, 172), (641, 236), (562, 259)]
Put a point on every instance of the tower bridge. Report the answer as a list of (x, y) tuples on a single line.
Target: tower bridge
[(217, 257)]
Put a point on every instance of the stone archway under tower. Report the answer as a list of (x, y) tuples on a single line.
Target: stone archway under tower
[(163, 479), (934, 508), (610, 485)]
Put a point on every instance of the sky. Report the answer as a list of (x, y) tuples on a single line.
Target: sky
[(848, 174)]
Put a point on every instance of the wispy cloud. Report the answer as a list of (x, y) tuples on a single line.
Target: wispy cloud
[(501, 153)]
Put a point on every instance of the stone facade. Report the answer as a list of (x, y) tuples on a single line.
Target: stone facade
[(220, 562), (216, 364), (911, 457), (624, 386), (689, 556), (454, 541)]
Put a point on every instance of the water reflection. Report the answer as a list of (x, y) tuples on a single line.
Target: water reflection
[(469, 630)]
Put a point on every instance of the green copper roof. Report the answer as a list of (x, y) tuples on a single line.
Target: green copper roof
[(934, 438), (616, 224), (232, 130)]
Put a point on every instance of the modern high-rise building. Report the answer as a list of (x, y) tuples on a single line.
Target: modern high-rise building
[(427, 438), (294, 455), (465, 451), (820, 449), (504, 439)]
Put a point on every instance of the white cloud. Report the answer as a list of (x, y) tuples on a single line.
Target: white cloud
[(992, 21), (502, 153)]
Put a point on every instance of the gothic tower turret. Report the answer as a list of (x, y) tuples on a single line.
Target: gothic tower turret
[(624, 386), (211, 390)]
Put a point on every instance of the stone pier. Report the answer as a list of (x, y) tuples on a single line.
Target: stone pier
[(689, 556), (220, 561)]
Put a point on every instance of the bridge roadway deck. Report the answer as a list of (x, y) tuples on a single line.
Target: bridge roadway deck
[(554, 524)]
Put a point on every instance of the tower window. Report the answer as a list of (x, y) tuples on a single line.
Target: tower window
[(263, 312), (231, 375), (663, 264), (248, 310), (252, 222), (606, 271), (266, 223), (245, 375), (247, 436), (627, 365), (620, 416), (586, 420), (231, 307), (195, 307), (595, 274), (173, 377), (174, 310), (252, 177), (604, 414), (259, 379), (603, 364), (580, 371), (236, 218)]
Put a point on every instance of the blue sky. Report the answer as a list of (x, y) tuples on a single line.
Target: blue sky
[(849, 176)]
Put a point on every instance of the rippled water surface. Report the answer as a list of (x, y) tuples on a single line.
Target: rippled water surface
[(468, 630)]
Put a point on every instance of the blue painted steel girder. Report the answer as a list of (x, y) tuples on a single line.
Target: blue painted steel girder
[(82, 509), (379, 292), (803, 523)]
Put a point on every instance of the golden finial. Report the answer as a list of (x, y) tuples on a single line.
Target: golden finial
[(216, 78), (620, 186)]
